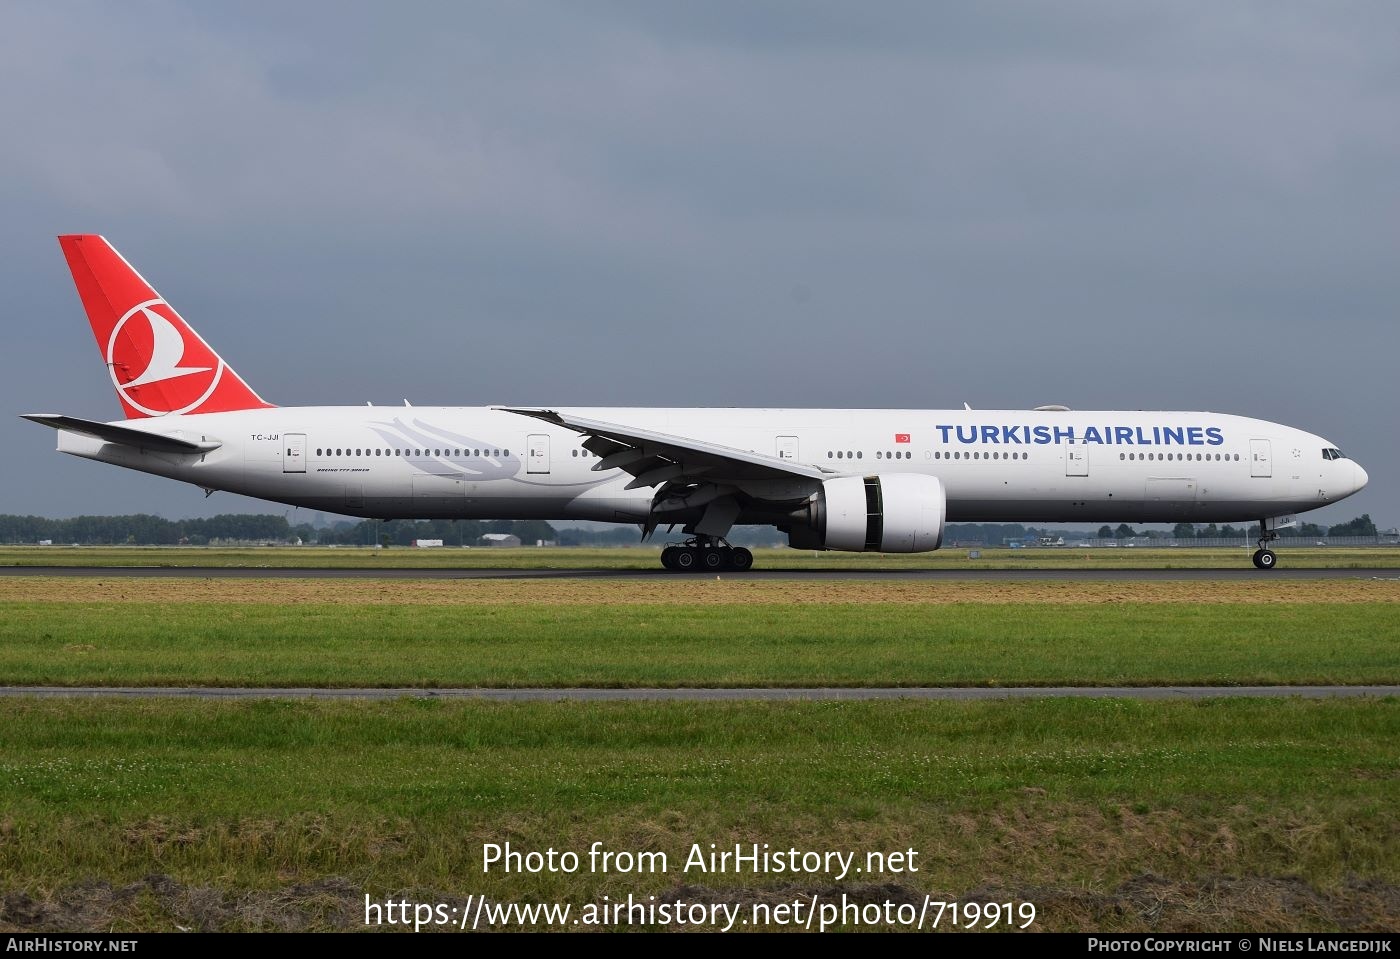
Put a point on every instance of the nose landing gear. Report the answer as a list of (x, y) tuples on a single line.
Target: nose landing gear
[(705, 554), (1265, 558)]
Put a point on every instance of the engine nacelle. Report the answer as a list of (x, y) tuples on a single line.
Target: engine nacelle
[(886, 513)]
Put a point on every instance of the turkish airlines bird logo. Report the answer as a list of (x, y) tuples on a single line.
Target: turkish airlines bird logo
[(157, 364)]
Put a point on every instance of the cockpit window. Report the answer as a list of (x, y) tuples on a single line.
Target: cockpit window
[(1333, 454)]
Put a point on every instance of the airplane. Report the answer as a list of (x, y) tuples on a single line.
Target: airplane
[(860, 480)]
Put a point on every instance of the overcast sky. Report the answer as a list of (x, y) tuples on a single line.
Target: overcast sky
[(1107, 205)]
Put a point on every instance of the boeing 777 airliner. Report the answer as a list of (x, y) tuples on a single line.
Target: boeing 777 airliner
[(860, 480)]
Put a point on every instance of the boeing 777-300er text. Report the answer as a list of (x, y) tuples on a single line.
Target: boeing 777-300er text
[(859, 480)]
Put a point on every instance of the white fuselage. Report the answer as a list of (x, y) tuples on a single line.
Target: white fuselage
[(996, 465)]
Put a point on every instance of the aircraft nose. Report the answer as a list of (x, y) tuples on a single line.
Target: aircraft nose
[(1360, 478)]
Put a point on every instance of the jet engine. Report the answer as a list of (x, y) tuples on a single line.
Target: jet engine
[(885, 513)]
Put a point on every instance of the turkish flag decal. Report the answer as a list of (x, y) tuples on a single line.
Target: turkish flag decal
[(901, 437)]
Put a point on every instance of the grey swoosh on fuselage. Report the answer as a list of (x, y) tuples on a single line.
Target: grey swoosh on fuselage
[(427, 436), (399, 434)]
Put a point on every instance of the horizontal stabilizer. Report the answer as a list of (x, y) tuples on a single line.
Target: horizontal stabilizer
[(124, 435)]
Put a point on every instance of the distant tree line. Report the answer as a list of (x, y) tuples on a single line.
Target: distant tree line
[(142, 529), (403, 532), (989, 533), (1361, 526)]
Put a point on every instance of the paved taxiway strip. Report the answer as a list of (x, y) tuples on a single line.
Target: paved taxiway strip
[(934, 575), (696, 694)]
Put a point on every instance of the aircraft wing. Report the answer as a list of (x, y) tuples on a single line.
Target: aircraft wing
[(123, 435), (655, 458)]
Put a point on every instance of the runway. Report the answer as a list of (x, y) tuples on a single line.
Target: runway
[(1241, 574), (699, 694)]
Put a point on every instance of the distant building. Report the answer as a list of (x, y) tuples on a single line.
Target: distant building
[(500, 539), (426, 543)]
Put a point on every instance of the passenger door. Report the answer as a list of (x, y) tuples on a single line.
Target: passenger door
[(537, 453), (1260, 460), (294, 452), (1076, 460)]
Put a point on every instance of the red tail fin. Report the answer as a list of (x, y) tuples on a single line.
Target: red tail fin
[(158, 364)]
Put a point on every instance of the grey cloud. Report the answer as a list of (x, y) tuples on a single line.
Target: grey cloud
[(905, 204)]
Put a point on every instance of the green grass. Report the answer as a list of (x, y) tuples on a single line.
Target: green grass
[(224, 644), (1061, 801), (647, 558)]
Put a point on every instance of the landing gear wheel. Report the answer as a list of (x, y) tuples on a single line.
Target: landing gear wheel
[(1265, 558), (708, 553)]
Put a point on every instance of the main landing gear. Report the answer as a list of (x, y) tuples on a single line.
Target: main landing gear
[(706, 554), (1265, 558)]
